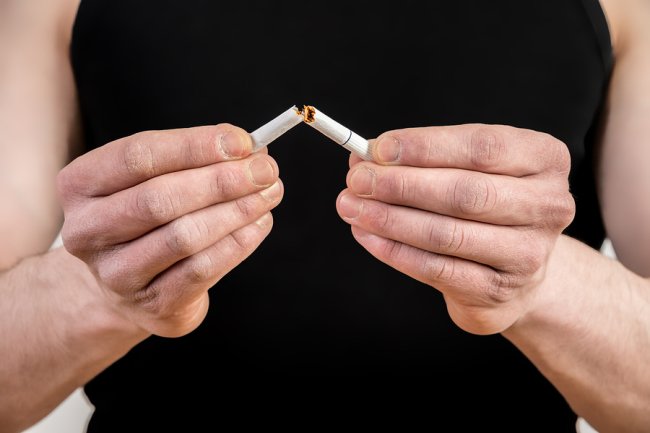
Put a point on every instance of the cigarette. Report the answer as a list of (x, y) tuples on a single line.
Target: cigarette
[(336, 132), (268, 132)]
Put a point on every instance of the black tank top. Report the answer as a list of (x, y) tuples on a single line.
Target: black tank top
[(311, 323)]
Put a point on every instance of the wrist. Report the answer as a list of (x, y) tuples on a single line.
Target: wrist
[(556, 298), (90, 314)]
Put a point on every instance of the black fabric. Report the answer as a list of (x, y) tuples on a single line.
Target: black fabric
[(289, 328)]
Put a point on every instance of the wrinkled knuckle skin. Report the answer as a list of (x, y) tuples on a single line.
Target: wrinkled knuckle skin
[(247, 208), (473, 195), (486, 148), (533, 259), (76, 239), (377, 217), (153, 302), (73, 241), (154, 205), (398, 186), (66, 185), (500, 289), (560, 159), (439, 268), (117, 276), (392, 250), (566, 211), (181, 236), (447, 238), (200, 269), (226, 183), (557, 212), (138, 157)]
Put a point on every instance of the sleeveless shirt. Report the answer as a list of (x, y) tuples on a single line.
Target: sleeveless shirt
[(311, 324)]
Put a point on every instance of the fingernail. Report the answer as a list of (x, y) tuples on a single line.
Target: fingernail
[(233, 144), (272, 193), (265, 220), (350, 206), (387, 149), (261, 170), (362, 181)]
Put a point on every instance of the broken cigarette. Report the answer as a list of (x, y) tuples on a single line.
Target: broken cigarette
[(337, 132), (268, 132), (318, 120)]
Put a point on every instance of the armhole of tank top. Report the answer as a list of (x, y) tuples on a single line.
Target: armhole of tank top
[(74, 31), (598, 19)]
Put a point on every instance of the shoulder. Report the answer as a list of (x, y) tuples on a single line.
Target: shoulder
[(629, 24), (54, 17)]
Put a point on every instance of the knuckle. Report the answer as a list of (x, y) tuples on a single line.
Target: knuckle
[(226, 183), (448, 237), (78, 238), (566, 210), (182, 235), (500, 289), (196, 152), (74, 239), (486, 148), (392, 250), (439, 268), (473, 195), (378, 216), (199, 269), (400, 186), (117, 274), (560, 159), (66, 184), (138, 157), (153, 204), (152, 300), (532, 260), (557, 211), (247, 207), (527, 257)]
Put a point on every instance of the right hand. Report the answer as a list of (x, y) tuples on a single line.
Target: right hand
[(159, 217)]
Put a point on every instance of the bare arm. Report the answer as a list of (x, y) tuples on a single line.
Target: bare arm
[(38, 121), (623, 164), (484, 238), (601, 361), (46, 311), (158, 217)]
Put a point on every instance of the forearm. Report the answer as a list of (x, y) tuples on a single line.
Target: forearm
[(57, 331), (588, 334)]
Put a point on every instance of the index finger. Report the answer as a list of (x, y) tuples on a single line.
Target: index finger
[(132, 160), (496, 149)]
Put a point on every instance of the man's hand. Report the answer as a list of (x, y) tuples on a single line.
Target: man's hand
[(161, 216), (473, 210)]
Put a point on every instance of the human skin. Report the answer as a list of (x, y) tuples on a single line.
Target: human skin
[(476, 212), (565, 308)]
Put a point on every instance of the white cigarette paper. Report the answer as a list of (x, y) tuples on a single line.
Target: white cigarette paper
[(337, 132), (268, 132)]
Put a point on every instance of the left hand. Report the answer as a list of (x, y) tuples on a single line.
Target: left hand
[(473, 210)]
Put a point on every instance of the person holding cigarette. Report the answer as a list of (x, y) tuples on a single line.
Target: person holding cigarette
[(511, 139)]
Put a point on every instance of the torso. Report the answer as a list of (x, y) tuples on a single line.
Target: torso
[(310, 300)]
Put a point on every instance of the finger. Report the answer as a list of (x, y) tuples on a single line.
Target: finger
[(130, 213), (133, 265), (472, 284), (129, 161), (494, 149), (489, 198), (353, 160), (188, 280), (508, 249)]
